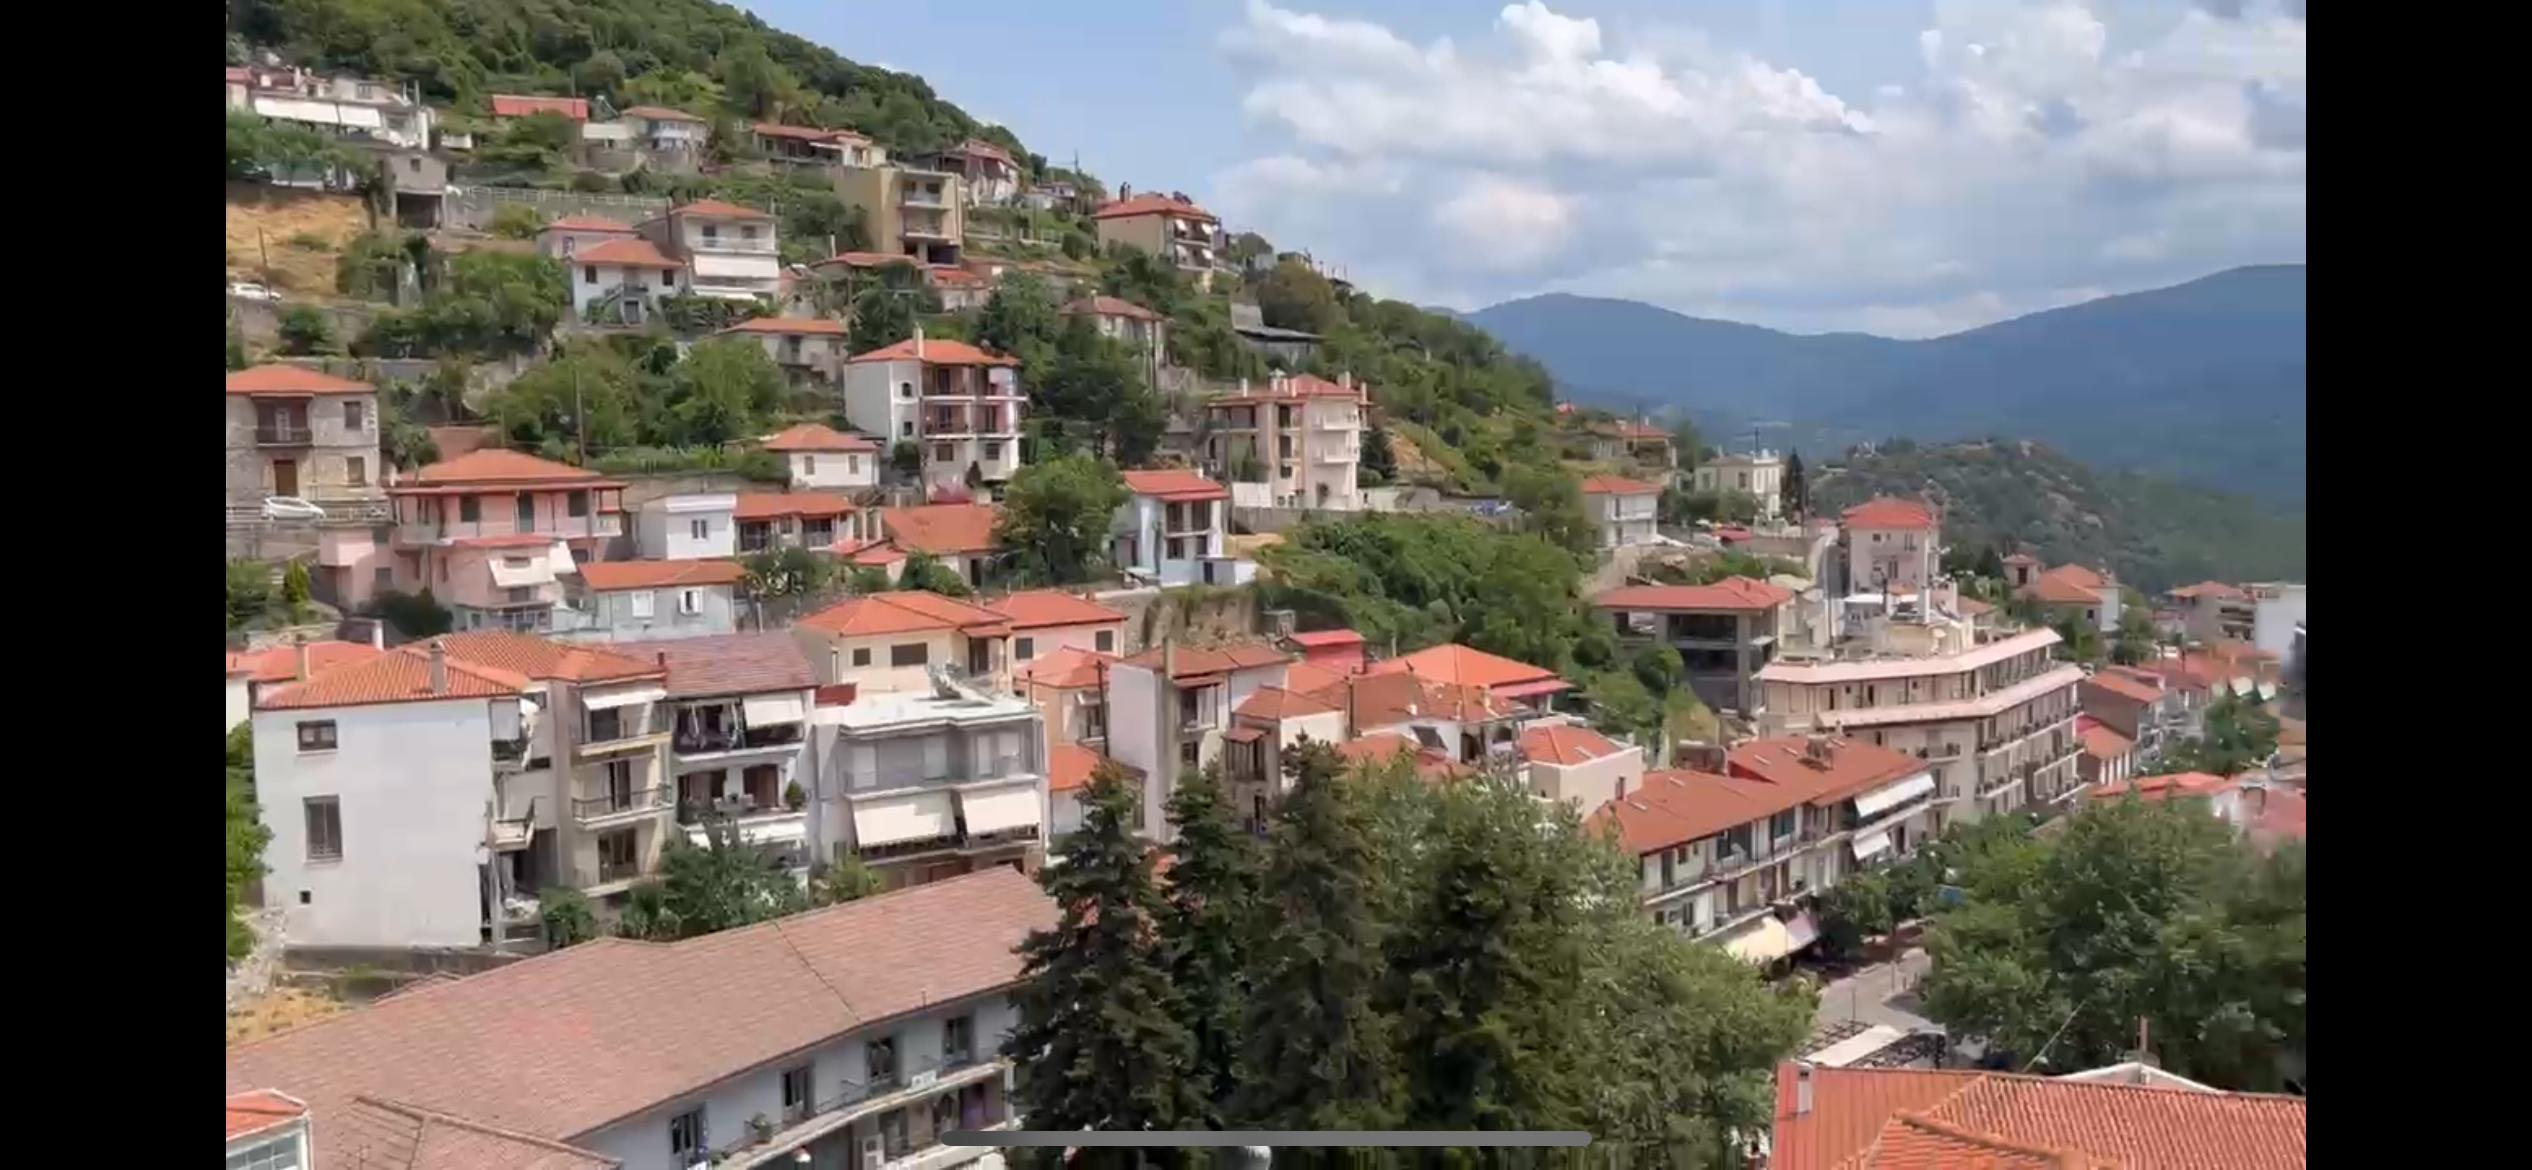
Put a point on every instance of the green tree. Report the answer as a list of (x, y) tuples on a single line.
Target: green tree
[(2239, 735), (1204, 932), (250, 593), (1099, 1026), (1320, 1055), (539, 141), (305, 329), (1379, 463), (1291, 296), (2137, 640), (724, 390), (1690, 444), (517, 221), (1056, 513), (1796, 490), (295, 590), (1854, 910), (847, 880), (1658, 667), (906, 458), (567, 917), (1020, 319), (789, 571), (751, 83), (882, 317), (722, 883), (925, 573), (1551, 505), (247, 836)]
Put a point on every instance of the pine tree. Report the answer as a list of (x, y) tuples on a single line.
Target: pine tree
[(1204, 930), (1319, 1054), (1099, 1031), (1797, 493)]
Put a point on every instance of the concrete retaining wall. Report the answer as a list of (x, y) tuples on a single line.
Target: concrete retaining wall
[(471, 208)]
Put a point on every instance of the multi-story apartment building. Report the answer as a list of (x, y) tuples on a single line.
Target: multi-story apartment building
[(1267, 725), (1724, 856), (819, 456), (634, 601), (813, 520), (1994, 720), (1303, 434), (1890, 546), (296, 432), (1566, 760), (908, 212), (1759, 473), (986, 173), (492, 533), (729, 251), (2138, 705), (738, 706), (959, 403), (1174, 530), (1724, 632), (2277, 616), (2108, 756), (840, 1037), (622, 281), (674, 136), (1624, 510), (885, 643), (2212, 609), (422, 797), (813, 147), (936, 783), (1118, 319), (810, 350), (1069, 687), (1167, 226), (1631, 440), (359, 109), (1170, 711), (1044, 621), (1493, 675), (2074, 593)]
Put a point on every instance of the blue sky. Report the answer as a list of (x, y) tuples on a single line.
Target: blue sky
[(1906, 167)]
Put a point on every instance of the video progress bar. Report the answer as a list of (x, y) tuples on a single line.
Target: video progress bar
[(1287, 1138)]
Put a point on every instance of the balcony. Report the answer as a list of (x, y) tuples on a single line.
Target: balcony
[(568, 528), (616, 808), (283, 435), (719, 243), (867, 781), (859, 1100), (714, 741)]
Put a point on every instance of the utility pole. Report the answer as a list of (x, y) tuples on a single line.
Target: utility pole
[(579, 420)]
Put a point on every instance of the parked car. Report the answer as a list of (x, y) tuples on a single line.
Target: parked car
[(291, 508), (248, 290)]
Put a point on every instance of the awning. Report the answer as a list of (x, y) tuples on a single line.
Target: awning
[(532, 569), (1764, 941), (1244, 735), (915, 816), (624, 698), (1527, 689), (772, 710), (1872, 844), (1857, 1047), (776, 833), (1802, 929), (992, 810), (1871, 804)]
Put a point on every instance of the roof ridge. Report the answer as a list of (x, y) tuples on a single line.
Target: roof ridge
[(443, 1117), (2068, 1157), (423, 989)]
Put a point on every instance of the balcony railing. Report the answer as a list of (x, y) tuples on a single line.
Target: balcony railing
[(1010, 767), (696, 812), (591, 808), (812, 1119), (718, 243), (283, 435), (698, 741), (568, 528)]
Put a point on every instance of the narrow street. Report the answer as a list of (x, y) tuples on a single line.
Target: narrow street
[(1883, 993)]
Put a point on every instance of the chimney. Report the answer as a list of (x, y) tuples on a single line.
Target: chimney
[(1802, 1088), (439, 668), (300, 643), (918, 341), (1816, 748), (378, 634)]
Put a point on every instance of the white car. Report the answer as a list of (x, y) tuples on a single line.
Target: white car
[(291, 508), (248, 290)]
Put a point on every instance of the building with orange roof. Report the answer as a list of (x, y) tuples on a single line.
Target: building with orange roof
[(252, 672), (2109, 757), (493, 534), (729, 251), (267, 1129), (811, 146), (913, 211), (1724, 632), (1174, 529), (1564, 759), (961, 536), (1167, 226), (821, 457), (306, 435), (616, 278), (1629, 440), (884, 1016), (1340, 651), (1044, 621), (1303, 432), (1891, 546), (809, 350), (1268, 725), (1069, 686), (1830, 1118), (958, 404), (2267, 813), (2141, 707), (1760, 473), (1622, 508), (938, 782), (640, 600), (1119, 319), (1493, 674), (1383, 748), (1170, 710), (2071, 592), (890, 642), (1068, 770)]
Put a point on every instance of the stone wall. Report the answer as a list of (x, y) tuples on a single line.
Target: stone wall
[(471, 208)]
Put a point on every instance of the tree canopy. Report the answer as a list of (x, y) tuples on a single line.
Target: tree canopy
[(1056, 513)]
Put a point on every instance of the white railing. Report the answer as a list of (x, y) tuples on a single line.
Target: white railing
[(720, 243)]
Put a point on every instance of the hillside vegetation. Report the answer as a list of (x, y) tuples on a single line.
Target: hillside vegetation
[(2153, 533)]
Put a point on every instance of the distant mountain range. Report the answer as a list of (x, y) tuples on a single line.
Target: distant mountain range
[(2202, 382)]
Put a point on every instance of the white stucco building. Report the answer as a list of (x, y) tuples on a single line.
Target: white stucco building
[(1174, 530), (1760, 473), (1625, 511), (729, 251), (819, 456), (1303, 434), (1890, 546), (1170, 711), (935, 783), (960, 404)]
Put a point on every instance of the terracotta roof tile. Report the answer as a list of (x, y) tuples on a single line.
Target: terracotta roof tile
[(1066, 668), (1315, 639), (1885, 512), (1848, 1109), (260, 1109), (810, 436), (1617, 485), (1914, 1141), (511, 105), (1107, 306), (1278, 704), (544, 658), (1454, 663), (389, 1135), (1736, 594), (2101, 743), (2212, 590), (943, 529), (275, 664), (2065, 585), (1382, 747), (284, 378), (937, 351), (1201, 661), (1069, 765), (1852, 767), (734, 664), (1150, 205), (588, 223), (605, 576), (658, 114), (403, 676), (1677, 806), (807, 325), (2103, 1123), (2125, 686), (1040, 608), (511, 1048), (498, 465), (1565, 744), (1174, 484), (901, 612), (2157, 788), (770, 505), (628, 253)]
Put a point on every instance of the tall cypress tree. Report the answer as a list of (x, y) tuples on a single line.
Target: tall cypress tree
[(1099, 1031), (1796, 493), (1204, 928), (1319, 1053)]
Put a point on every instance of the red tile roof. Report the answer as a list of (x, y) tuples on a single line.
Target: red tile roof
[(802, 133), (658, 114), (403, 676), (1069, 765), (1310, 679), (510, 105), (769, 505), (1565, 744), (2066, 585), (511, 1047), (1852, 767), (1678, 806), (604, 576), (1454, 663), (588, 223), (1038, 609), (937, 351), (543, 658), (953, 277), (1381, 747), (2159, 788), (258, 1110), (979, 148), (810, 436), (1885, 512), (625, 253), (1200, 661), (1066, 668), (1150, 205), (1174, 484), (719, 209), (1400, 697), (1277, 704), (1107, 306), (498, 465), (943, 529), (2213, 590), (281, 663), (283, 378), (2082, 1123), (1617, 485), (391, 1135), (817, 325), (904, 612), (1736, 594), (2276, 818), (2125, 686), (1317, 639), (734, 664), (2101, 743)]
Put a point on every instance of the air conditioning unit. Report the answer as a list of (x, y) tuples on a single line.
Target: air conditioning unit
[(922, 1079), (874, 1153)]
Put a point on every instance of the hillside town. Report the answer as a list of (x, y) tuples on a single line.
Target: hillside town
[(724, 650)]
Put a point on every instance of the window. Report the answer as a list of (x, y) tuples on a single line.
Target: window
[(1669, 871), (943, 452), (852, 465), (443, 572), (385, 578), (1286, 471), (589, 274), (1177, 548), (795, 1094), (690, 601), (1106, 641), (1782, 824), (1024, 649), (355, 470), (325, 828), (619, 775), (808, 465), (905, 430), (317, 736), (881, 1062), (1187, 754), (469, 509), (576, 504), (606, 724), (910, 654), (892, 1134), (993, 451), (616, 854), (711, 234), (958, 1039), (747, 231), (278, 1155), (861, 656), (526, 511), (641, 602), (944, 1114), (905, 389), (685, 1137), (699, 529), (352, 413)]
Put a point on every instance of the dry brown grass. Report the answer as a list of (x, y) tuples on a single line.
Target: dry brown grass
[(283, 215), (277, 1011)]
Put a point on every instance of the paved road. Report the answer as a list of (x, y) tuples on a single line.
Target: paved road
[(1879, 994)]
